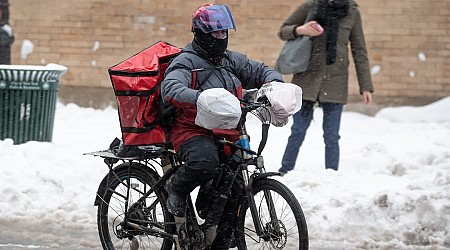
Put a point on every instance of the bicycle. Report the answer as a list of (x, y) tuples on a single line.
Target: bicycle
[(131, 199)]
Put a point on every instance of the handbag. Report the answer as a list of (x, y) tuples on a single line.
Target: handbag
[(295, 54)]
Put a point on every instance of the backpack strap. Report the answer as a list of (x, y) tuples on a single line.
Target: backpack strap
[(211, 69), (194, 79)]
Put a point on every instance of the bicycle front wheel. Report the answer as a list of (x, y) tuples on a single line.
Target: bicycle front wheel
[(280, 216), (132, 180)]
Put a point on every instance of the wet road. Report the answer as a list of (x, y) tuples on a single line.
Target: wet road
[(19, 235), (50, 236)]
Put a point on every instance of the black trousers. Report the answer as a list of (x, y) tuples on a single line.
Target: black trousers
[(201, 157)]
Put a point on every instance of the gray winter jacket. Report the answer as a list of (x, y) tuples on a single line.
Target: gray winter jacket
[(235, 72)]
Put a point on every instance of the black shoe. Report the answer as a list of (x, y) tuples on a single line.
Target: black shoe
[(176, 205)]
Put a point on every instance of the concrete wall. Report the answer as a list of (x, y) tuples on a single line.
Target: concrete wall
[(408, 41)]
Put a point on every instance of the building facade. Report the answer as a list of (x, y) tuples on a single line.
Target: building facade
[(408, 41)]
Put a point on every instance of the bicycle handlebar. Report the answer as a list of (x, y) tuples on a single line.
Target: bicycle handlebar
[(259, 109)]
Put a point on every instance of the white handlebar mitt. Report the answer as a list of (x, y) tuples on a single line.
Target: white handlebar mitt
[(285, 100), (218, 109)]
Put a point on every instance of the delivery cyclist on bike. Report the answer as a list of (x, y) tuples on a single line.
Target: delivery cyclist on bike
[(204, 64)]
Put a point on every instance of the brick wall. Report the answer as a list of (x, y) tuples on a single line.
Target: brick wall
[(408, 41)]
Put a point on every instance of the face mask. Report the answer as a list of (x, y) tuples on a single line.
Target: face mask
[(212, 46)]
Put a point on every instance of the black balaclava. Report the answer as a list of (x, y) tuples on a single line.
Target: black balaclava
[(210, 45)]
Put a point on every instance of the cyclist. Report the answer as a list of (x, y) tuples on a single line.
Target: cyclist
[(204, 64)]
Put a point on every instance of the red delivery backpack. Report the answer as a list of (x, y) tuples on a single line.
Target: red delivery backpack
[(137, 87)]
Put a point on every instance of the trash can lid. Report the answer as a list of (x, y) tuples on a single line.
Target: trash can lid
[(50, 66)]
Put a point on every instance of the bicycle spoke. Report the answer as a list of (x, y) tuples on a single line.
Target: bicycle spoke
[(281, 218), (116, 233)]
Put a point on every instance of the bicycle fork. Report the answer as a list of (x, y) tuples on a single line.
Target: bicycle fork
[(248, 185)]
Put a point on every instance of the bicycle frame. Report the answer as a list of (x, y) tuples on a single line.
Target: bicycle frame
[(243, 157)]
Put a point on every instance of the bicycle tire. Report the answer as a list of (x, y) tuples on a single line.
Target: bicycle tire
[(111, 209), (289, 232)]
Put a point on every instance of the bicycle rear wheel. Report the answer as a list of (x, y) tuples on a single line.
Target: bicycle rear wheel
[(151, 213), (280, 215)]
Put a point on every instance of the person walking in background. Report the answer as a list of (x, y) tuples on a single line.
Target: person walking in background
[(334, 25)]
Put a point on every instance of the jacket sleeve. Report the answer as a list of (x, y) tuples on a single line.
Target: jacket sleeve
[(359, 52), (251, 73), (175, 88), (297, 18)]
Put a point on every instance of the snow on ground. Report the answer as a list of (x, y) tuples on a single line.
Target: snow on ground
[(392, 190)]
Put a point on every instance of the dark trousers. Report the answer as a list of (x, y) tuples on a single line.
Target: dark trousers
[(301, 121), (201, 157)]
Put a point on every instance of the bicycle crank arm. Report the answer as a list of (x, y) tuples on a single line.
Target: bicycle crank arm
[(153, 232)]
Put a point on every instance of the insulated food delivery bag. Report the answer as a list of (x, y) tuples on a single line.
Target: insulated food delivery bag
[(136, 83)]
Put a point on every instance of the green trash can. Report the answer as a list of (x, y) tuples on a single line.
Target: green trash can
[(28, 97)]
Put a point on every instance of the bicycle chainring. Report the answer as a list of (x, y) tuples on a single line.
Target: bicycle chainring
[(190, 236)]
